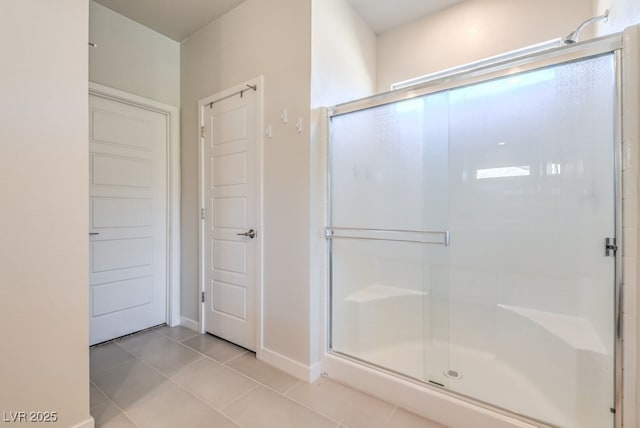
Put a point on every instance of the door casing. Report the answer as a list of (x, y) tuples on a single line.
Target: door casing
[(173, 187)]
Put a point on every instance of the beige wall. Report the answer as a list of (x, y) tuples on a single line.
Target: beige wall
[(132, 57), (270, 38), (473, 30), (622, 14), (343, 68), (343, 59), (44, 363)]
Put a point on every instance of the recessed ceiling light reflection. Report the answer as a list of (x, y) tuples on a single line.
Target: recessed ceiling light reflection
[(505, 172)]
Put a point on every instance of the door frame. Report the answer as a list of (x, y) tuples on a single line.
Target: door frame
[(172, 115), (257, 82)]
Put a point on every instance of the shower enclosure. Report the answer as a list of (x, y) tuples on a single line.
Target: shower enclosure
[(472, 234)]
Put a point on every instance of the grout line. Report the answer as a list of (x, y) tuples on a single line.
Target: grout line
[(311, 409), (306, 406), (258, 384), (235, 358), (291, 388), (330, 419), (116, 405), (211, 406), (117, 341), (238, 398), (200, 355), (166, 376), (341, 424), (208, 356), (187, 364), (173, 338), (264, 385), (225, 365), (133, 357), (92, 383), (152, 367)]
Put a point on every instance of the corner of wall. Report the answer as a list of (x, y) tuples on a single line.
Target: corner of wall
[(306, 373), (631, 226)]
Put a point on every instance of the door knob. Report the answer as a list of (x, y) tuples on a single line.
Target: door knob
[(250, 233)]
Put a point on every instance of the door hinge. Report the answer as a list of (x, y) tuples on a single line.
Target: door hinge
[(202, 297), (202, 131), (203, 213), (610, 247)]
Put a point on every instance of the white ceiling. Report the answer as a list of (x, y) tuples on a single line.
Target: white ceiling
[(175, 19), (179, 19), (383, 15)]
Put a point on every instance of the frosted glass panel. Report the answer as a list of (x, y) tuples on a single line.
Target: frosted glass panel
[(389, 180), (518, 309), (382, 298), (389, 166), (531, 187)]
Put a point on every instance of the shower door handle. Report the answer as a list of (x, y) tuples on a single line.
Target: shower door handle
[(250, 233)]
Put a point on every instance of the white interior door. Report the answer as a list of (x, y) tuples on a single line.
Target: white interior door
[(230, 233), (128, 205)]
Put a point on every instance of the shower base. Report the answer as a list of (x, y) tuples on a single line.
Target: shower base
[(482, 375)]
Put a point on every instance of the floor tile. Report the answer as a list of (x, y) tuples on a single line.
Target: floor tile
[(104, 357), (218, 349), (249, 365), (171, 407), (177, 333), (343, 404), (107, 415), (263, 408), (152, 380), (96, 397), (404, 419), (136, 340), (212, 382), (129, 382), (163, 353)]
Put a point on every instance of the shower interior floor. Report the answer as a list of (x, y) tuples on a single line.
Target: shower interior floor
[(483, 377)]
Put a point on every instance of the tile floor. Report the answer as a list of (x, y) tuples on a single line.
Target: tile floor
[(176, 378)]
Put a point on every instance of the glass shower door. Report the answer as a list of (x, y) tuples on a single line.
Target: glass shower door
[(532, 199), (467, 235), (389, 267)]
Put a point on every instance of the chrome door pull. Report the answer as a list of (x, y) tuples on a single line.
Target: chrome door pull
[(250, 233)]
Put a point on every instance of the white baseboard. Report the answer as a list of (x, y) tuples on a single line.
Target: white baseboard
[(190, 324), (315, 372), (292, 367), (89, 423)]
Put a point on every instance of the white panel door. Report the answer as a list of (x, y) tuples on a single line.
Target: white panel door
[(128, 205), (231, 236)]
